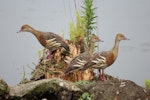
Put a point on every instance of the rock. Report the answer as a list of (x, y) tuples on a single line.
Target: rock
[(58, 89), (46, 88), (115, 89)]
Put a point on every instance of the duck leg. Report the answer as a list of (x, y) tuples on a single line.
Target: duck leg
[(102, 75), (50, 56)]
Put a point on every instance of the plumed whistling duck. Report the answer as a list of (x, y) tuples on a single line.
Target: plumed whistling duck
[(81, 59), (104, 59), (49, 40)]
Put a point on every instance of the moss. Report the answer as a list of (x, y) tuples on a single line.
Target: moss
[(84, 82), (50, 87)]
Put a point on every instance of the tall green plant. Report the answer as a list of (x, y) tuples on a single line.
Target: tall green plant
[(89, 17)]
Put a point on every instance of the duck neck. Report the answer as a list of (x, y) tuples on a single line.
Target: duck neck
[(35, 33), (90, 48), (115, 48)]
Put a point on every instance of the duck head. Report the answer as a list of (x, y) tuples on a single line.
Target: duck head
[(120, 37), (95, 38), (25, 28)]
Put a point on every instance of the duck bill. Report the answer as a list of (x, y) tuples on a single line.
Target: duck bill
[(19, 31), (125, 38), (101, 41)]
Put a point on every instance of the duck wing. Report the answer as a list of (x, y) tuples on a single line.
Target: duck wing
[(53, 40), (78, 62), (97, 61)]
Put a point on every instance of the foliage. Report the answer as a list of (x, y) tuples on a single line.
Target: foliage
[(85, 96), (85, 24), (78, 29), (40, 53), (89, 17), (147, 84), (24, 79), (42, 68)]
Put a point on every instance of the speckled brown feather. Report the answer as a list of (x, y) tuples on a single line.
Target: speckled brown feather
[(50, 35), (84, 56)]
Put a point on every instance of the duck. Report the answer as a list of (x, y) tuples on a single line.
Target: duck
[(104, 59), (49, 40), (78, 62)]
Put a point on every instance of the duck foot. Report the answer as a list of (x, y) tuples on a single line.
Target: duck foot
[(102, 77)]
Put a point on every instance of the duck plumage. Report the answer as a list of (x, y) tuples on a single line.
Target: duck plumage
[(49, 40), (104, 59), (80, 60)]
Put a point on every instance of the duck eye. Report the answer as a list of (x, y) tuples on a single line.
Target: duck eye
[(22, 27), (122, 36)]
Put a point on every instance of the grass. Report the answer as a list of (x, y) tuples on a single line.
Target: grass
[(147, 84)]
